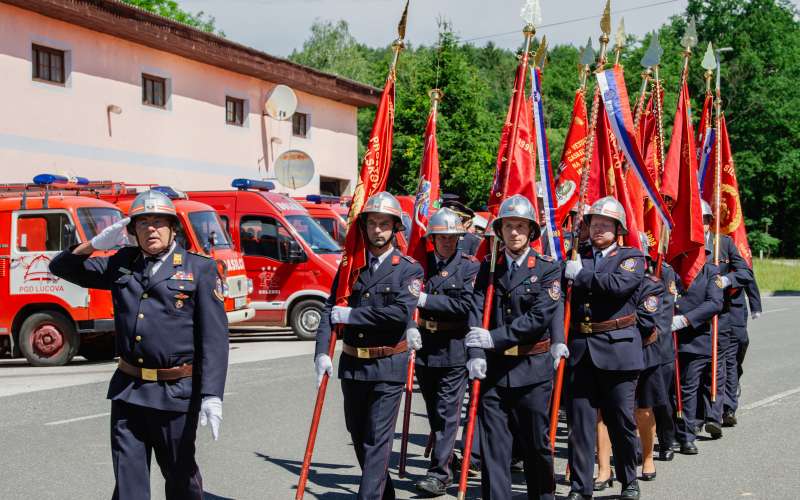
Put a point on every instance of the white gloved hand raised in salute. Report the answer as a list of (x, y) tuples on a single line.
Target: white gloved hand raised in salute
[(113, 236)]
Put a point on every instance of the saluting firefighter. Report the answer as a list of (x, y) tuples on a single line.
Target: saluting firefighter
[(515, 356), (172, 341), (374, 358), (444, 309), (735, 275), (606, 349)]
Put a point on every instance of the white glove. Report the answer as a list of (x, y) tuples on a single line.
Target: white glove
[(423, 297), (340, 314), (323, 365), (414, 339), (558, 351), (679, 322), (114, 235), (211, 412), (476, 368), (726, 282), (479, 337), (573, 268), (755, 314)]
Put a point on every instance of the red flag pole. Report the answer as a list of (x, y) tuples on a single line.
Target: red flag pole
[(528, 31), (587, 162), (717, 204)]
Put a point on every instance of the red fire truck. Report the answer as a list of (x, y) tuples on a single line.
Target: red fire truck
[(44, 318), (290, 258), (329, 212), (200, 231)]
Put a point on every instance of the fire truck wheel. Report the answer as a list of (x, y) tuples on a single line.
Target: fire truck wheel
[(305, 318), (101, 348), (48, 339)]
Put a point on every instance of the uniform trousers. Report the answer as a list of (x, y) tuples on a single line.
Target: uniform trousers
[(136, 432), (370, 413), (612, 392), (734, 356), (665, 414), (516, 413), (443, 390)]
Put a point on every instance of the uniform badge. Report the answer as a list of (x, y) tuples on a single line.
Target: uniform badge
[(444, 274), (415, 287), (719, 282), (555, 291), (177, 259), (534, 278), (219, 291), (181, 296), (531, 261), (395, 260), (673, 289), (629, 264), (651, 303), (178, 304), (180, 275)]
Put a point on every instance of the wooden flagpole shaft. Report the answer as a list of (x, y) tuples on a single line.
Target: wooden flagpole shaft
[(409, 392)]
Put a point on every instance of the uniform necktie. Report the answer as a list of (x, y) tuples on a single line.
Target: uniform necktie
[(512, 269), (149, 262), (440, 266), (373, 266)]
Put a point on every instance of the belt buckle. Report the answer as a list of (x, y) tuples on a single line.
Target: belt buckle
[(512, 351), (586, 328), (149, 374), (431, 326), (362, 352)]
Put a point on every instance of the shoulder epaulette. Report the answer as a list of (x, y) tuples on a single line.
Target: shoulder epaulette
[(410, 259), (546, 258), (469, 257), (653, 278), (199, 254)]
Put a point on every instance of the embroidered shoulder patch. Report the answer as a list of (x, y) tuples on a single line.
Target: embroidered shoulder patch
[(415, 287), (719, 282), (651, 303), (555, 291), (629, 264), (547, 258), (219, 291)]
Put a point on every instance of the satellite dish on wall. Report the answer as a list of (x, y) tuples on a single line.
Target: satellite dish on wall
[(281, 103), (294, 169)]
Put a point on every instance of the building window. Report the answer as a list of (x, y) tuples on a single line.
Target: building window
[(48, 64), (300, 124), (234, 111), (154, 90)]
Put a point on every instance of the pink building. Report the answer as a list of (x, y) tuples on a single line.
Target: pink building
[(102, 90)]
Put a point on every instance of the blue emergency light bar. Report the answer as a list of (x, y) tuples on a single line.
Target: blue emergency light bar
[(322, 198), (244, 184), (172, 194), (47, 179)]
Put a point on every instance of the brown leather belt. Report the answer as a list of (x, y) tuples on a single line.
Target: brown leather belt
[(432, 326), (374, 352), (528, 350), (588, 328), (650, 339), (155, 374)]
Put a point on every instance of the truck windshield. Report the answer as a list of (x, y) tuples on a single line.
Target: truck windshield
[(94, 220), (208, 229), (316, 237)]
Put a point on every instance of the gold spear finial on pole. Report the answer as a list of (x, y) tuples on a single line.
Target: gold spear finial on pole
[(619, 40), (709, 63), (688, 42), (540, 56), (585, 66), (436, 96), (399, 44), (605, 27)]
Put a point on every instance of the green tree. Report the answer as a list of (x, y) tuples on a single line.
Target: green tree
[(171, 10)]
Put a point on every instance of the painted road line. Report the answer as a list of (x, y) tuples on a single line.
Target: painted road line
[(771, 399), (78, 419)]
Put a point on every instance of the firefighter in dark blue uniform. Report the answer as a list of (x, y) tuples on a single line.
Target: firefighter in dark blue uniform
[(444, 309), (374, 358), (734, 274), (515, 357), (468, 242), (665, 412), (695, 306), (172, 339), (605, 347), (738, 348)]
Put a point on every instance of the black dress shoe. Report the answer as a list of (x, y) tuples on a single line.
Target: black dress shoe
[(697, 429), (630, 492), (574, 495), (714, 429), (431, 487), (689, 449), (675, 446), (729, 419), (648, 476), (517, 465), (666, 455), (601, 485)]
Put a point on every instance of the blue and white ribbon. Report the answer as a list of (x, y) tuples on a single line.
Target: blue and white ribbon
[(705, 156)]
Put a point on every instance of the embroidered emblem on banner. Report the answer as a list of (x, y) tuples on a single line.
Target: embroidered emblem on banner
[(415, 287), (629, 264), (651, 303)]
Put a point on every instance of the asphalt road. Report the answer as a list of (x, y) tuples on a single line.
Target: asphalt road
[(54, 430)]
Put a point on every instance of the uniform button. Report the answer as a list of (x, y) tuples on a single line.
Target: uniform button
[(141, 315), (361, 335), (508, 311), (138, 338), (677, 306), (144, 295), (587, 318), (140, 361), (366, 295), (436, 293), (587, 305)]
